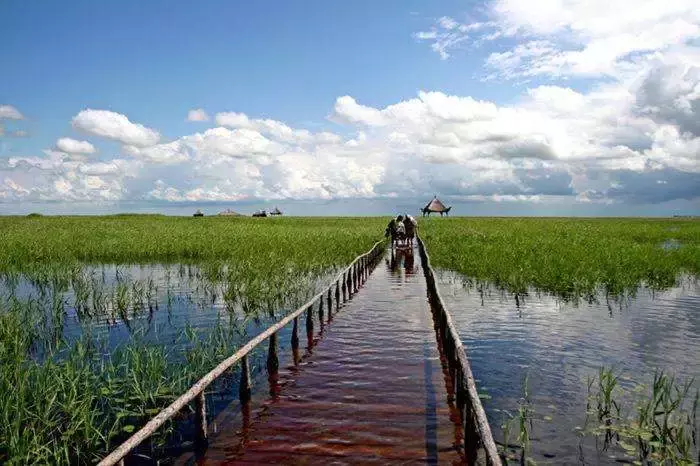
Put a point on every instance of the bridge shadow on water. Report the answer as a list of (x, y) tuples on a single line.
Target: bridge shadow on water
[(369, 387)]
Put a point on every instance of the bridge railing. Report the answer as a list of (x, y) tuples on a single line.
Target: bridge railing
[(479, 446), (345, 284)]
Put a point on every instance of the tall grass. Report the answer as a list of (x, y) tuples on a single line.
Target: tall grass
[(69, 399), (571, 258)]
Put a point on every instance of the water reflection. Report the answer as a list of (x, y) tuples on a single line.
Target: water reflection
[(557, 345), (402, 262), (148, 303)]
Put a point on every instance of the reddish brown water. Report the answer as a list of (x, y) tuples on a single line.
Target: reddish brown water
[(369, 390)]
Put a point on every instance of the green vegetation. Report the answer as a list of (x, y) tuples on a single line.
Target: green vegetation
[(137, 239), (655, 424), (571, 258), (68, 399)]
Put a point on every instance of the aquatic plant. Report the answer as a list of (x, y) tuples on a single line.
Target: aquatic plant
[(647, 424), (568, 257)]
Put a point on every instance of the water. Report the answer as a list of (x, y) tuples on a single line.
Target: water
[(152, 303), (558, 345)]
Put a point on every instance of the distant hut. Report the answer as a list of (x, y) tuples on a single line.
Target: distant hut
[(199, 213), (260, 213), (436, 206), (276, 211), (229, 213)]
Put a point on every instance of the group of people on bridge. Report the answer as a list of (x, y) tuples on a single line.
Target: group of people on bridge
[(402, 230)]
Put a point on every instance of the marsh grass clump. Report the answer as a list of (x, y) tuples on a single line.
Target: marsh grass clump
[(79, 400), (647, 424), (570, 258)]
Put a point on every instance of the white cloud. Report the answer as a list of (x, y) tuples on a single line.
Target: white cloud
[(72, 146), (232, 120), (8, 112), (115, 126), (559, 38), (197, 114), (612, 143)]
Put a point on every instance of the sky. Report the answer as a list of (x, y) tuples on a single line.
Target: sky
[(499, 107)]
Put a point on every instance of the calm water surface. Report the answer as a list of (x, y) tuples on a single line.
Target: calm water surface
[(557, 345), (159, 302)]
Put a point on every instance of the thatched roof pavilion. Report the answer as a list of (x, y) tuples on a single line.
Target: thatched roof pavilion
[(436, 206)]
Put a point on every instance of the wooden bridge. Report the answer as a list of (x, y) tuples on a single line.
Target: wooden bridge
[(381, 378)]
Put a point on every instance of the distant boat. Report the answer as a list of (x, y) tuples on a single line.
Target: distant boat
[(260, 213), (229, 213), (198, 213), (276, 211)]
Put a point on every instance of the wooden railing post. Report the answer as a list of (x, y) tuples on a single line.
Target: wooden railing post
[(330, 302), (344, 284), (200, 421), (295, 334), (354, 278), (337, 296), (273, 362), (244, 389), (309, 323), (320, 311)]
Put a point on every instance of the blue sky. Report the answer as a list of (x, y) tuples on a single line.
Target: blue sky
[(510, 107)]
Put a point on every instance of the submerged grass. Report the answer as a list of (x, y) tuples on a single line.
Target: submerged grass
[(568, 257), (68, 400)]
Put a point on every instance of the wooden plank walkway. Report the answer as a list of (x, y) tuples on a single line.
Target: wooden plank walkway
[(371, 388)]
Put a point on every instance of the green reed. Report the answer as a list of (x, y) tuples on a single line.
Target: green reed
[(522, 423), (647, 424), (571, 258)]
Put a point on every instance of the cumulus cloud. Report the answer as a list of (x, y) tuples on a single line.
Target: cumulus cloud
[(604, 145), (561, 38), (72, 146), (197, 114), (115, 126), (8, 112)]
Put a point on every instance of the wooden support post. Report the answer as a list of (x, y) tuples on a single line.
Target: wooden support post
[(309, 323), (337, 296), (471, 442), (244, 390), (344, 284), (273, 362), (295, 334), (200, 421), (330, 301), (320, 311), (459, 390)]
